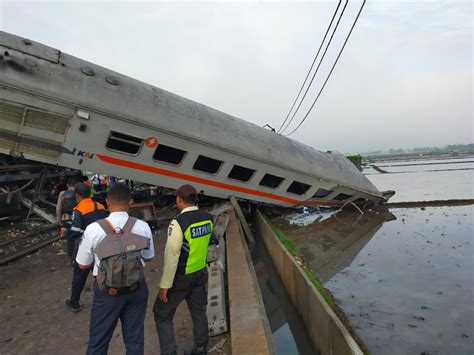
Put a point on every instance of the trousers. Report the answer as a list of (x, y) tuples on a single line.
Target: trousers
[(71, 246), (106, 310), (79, 277), (191, 288)]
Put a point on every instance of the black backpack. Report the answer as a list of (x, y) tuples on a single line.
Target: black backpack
[(69, 201)]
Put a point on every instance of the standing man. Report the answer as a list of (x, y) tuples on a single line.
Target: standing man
[(120, 290), (97, 182), (86, 212), (64, 209), (185, 273)]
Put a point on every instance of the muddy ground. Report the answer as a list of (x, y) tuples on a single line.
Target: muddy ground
[(34, 319)]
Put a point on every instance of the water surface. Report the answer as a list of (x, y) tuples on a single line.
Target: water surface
[(404, 277), (425, 180)]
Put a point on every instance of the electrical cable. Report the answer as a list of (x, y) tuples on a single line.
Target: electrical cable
[(329, 75), (317, 69), (311, 68)]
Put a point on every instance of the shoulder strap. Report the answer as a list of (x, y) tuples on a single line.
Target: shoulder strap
[(106, 226), (127, 228)]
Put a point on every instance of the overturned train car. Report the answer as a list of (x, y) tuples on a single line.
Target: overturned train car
[(61, 110)]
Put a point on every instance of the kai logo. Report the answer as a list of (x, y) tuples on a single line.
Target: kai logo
[(151, 142), (84, 154)]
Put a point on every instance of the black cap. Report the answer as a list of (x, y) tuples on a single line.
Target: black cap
[(82, 190), (188, 193)]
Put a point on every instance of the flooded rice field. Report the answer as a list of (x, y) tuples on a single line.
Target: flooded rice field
[(424, 180), (404, 277)]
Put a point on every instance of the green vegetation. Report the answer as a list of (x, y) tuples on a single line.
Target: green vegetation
[(454, 149), (288, 243), (293, 250), (326, 295), (356, 160)]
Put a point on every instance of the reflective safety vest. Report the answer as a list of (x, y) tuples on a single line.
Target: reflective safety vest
[(197, 229)]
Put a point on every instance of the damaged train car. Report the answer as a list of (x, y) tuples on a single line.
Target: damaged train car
[(61, 110)]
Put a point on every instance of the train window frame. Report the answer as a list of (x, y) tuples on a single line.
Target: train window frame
[(241, 181), (298, 182), (207, 172), (183, 158), (342, 197), (320, 197), (121, 151), (270, 187)]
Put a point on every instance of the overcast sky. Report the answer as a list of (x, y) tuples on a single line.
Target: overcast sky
[(404, 79)]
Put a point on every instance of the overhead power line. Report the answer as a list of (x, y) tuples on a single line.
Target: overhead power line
[(311, 68), (317, 69), (329, 75)]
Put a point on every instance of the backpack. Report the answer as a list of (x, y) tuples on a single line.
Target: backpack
[(119, 252), (69, 201)]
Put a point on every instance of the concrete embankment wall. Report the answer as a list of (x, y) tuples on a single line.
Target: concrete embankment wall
[(327, 332), (249, 329)]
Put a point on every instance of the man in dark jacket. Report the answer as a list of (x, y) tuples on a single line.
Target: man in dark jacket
[(86, 212), (64, 209)]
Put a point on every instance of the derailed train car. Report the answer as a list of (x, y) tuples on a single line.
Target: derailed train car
[(61, 110)]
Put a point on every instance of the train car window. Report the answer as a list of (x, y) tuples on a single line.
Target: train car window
[(298, 188), (124, 143), (342, 197), (206, 164), (321, 193), (241, 173), (168, 154), (272, 181)]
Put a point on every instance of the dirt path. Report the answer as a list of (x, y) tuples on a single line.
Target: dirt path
[(34, 319)]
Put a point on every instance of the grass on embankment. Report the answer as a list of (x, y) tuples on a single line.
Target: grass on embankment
[(293, 250)]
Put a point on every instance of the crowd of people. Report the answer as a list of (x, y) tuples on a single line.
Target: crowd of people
[(114, 247)]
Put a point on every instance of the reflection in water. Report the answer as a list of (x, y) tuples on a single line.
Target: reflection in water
[(407, 285), (330, 245), (289, 334)]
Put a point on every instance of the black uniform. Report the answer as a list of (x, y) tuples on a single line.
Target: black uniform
[(85, 213), (189, 281)]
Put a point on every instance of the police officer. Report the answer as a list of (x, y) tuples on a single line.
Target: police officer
[(185, 273), (130, 305), (86, 212)]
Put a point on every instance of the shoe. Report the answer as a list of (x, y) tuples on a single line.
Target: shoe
[(202, 350), (73, 307)]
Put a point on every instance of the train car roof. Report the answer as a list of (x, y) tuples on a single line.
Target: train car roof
[(61, 76)]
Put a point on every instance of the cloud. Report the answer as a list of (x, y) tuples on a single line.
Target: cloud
[(407, 68)]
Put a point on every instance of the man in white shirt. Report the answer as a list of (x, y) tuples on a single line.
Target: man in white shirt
[(127, 304)]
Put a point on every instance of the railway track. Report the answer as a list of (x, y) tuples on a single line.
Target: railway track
[(27, 242)]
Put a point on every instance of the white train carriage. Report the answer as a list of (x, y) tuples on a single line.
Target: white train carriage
[(61, 110)]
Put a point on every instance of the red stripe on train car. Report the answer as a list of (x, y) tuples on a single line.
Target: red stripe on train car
[(181, 176)]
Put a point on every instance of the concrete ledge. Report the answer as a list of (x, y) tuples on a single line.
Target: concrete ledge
[(327, 332), (249, 329)]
